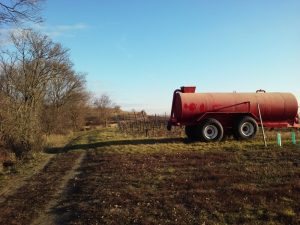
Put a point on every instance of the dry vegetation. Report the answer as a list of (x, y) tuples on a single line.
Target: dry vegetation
[(142, 180), (40, 93)]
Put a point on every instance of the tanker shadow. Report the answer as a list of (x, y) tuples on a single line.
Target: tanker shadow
[(70, 147)]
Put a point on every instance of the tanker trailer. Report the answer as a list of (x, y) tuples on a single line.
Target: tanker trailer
[(213, 116)]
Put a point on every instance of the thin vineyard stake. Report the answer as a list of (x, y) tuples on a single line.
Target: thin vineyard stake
[(262, 125), (135, 120), (166, 118), (144, 124), (153, 125)]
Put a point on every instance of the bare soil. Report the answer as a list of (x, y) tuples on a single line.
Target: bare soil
[(31, 198), (47, 217), (185, 188), (160, 181), (12, 182)]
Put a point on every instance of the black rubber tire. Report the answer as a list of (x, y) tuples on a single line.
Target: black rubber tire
[(246, 128), (189, 131), (192, 131), (208, 124)]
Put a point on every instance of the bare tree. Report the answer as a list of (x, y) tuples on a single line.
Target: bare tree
[(65, 102), (28, 69), (103, 102), (36, 79), (64, 88), (16, 11), (104, 106)]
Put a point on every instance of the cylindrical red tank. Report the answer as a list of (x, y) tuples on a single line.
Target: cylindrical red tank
[(275, 107)]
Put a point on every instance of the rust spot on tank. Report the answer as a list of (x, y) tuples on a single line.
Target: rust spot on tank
[(202, 108), (192, 107)]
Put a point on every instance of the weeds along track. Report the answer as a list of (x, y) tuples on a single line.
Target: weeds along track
[(29, 200), (184, 187)]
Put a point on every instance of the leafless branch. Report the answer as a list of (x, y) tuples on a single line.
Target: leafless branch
[(18, 11)]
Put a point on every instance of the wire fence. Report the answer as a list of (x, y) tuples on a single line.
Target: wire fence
[(140, 124)]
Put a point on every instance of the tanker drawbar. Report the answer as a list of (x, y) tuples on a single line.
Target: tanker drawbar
[(213, 116)]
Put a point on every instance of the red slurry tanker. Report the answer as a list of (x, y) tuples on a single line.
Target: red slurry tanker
[(212, 116)]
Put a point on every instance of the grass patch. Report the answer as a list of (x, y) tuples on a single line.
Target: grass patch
[(14, 175)]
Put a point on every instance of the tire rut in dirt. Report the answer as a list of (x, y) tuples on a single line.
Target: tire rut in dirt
[(26, 203), (183, 188)]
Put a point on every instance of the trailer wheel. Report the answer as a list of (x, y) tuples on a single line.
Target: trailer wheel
[(191, 132), (246, 128), (211, 130)]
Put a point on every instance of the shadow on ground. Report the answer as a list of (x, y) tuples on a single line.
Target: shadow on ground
[(147, 141)]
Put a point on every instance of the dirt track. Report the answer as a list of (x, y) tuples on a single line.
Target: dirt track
[(141, 182), (23, 206)]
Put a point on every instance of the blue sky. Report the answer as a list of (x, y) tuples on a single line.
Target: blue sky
[(139, 51)]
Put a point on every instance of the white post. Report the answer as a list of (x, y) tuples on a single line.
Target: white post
[(262, 125)]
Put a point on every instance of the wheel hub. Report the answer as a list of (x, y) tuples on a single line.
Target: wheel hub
[(247, 129), (211, 132)]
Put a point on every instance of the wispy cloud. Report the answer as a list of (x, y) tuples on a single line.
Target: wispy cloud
[(53, 31), (67, 30)]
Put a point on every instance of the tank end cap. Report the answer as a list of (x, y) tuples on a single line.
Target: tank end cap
[(188, 89)]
